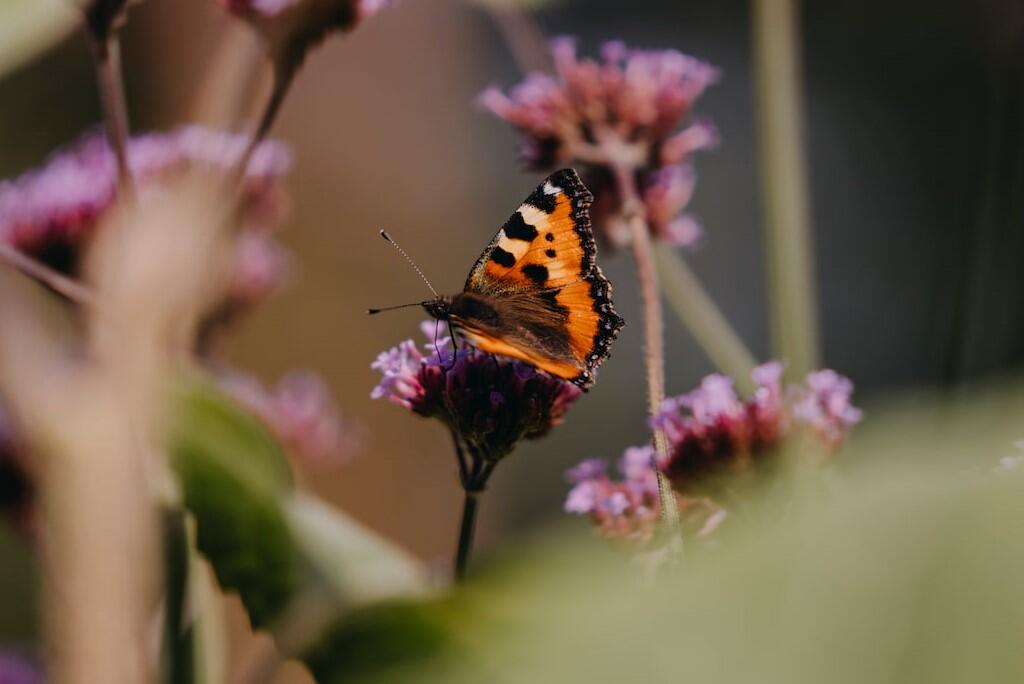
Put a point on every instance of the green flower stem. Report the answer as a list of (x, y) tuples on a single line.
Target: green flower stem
[(703, 318), (786, 201), (474, 481)]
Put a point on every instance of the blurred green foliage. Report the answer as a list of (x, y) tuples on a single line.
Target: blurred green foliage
[(232, 473), (272, 545), (894, 571)]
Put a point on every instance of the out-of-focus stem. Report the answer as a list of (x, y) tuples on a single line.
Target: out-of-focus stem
[(654, 348), (703, 318), (784, 184), (226, 97), (522, 36), (283, 78), (107, 58), (37, 270)]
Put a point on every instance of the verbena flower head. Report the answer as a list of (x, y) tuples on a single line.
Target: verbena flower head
[(51, 213), (301, 413), (291, 28), (624, 109), (622, 509), (712, 431), (490, 402)]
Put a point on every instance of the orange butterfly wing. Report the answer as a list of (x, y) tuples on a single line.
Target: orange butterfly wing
[(552, 303)]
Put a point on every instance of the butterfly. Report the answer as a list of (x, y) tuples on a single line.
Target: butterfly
[(536, 293)]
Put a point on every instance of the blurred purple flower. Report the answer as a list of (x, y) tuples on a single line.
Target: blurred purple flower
[(15, 669), (51, 213), (490, 402), (712, 431), (623, 110), (624, 509), (301, 414), (825, 405)]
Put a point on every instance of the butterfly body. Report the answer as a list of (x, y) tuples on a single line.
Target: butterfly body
[(536, 293)]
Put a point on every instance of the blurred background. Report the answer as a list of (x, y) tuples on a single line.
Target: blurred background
[(914, 117)]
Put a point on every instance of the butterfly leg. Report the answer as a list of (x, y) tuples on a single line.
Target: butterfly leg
[(455, 346)]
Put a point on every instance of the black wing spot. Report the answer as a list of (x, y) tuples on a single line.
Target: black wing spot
[(551, 298), (517, 228), (550, 253), (537, 273), (503, 258), (549, 237), (543, 201)]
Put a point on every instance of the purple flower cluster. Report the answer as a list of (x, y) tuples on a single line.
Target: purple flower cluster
[(51, 213), (624, 509), (711, 431), (301, 414), (490, 402), (623, 110)]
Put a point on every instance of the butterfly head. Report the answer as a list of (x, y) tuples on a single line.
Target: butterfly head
[(439, 308)]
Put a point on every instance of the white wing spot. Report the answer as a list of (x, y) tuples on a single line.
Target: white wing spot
[(550, 189)]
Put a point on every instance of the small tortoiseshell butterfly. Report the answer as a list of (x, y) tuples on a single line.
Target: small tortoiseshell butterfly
[(536, 293)]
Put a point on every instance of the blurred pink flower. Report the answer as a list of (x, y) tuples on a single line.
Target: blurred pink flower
[(261, 266), (51, 213), (301, 414), (620, 111)]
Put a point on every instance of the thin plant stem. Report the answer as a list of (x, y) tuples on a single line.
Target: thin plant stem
[(654, 351), (56, 281), (107, 59), (283, 78), (784, 183), (522, 35), (466, 529), (705, 321), (473, 483)]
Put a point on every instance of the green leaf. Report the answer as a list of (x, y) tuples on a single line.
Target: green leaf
[(359, 566), (232, 477)]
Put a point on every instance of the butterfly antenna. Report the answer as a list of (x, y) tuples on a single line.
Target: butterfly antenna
[(392, 308), (412, 263)]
